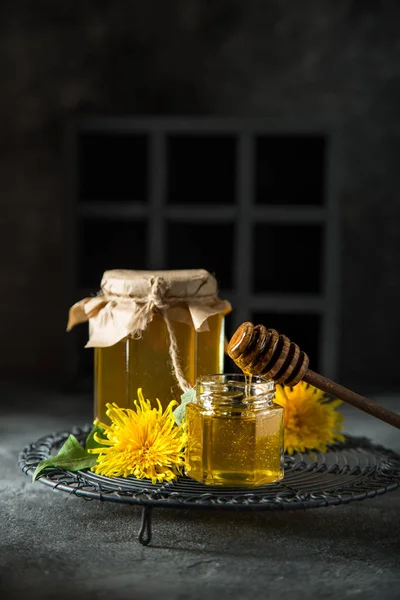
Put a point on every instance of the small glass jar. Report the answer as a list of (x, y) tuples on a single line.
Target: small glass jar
[(235, 431)]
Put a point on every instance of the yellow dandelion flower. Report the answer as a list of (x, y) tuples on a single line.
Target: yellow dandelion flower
[(311, 419), (145, 442)]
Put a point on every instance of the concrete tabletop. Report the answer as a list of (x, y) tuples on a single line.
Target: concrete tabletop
[(57, 546)]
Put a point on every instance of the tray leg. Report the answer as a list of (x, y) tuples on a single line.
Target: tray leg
[(145, 532)]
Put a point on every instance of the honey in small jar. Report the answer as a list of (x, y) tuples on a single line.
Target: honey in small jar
[(155, 330), (235, 432)]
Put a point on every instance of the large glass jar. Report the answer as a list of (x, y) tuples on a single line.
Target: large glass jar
[(235, 432), (132, 324)]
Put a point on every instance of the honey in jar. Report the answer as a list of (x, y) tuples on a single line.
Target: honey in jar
[(134, 321), (235, 432)]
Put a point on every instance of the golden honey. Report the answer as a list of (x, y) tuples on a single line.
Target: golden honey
[(145, 363), (235, 432)]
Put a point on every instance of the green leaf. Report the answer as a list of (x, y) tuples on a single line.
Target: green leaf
[(71, 457), (180, 411), (90, 441)]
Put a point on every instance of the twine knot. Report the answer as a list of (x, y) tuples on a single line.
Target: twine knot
[(156, 295)]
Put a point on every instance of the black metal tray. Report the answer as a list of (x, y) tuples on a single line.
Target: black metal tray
[(353, 470)]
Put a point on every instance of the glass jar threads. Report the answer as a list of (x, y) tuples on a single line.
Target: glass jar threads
[(155, 330), (235, 431)]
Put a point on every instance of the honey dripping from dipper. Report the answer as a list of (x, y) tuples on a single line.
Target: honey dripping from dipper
[(264, 352)]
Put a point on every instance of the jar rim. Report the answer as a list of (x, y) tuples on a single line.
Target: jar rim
[(236, 378), (235, 386)]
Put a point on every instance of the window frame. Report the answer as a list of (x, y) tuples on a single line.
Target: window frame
[(243, 214)]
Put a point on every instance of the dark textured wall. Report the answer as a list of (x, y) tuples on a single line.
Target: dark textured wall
[(338, 61)]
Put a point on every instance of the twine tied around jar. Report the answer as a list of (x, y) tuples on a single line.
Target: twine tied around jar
[(129, 299)]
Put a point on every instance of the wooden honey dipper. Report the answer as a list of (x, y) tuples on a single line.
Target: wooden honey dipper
[(261, 351)]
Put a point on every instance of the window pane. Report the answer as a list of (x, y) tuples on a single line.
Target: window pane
[(288, 258), (290, 170), (112, 167), (201, 169)]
